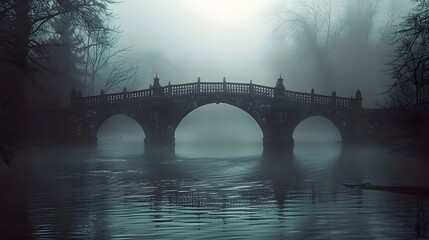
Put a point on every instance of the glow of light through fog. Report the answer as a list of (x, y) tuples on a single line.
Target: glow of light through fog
[(194, 38), (316, 129), (225, 12), (120, 128), (186, 39), (218, 123)]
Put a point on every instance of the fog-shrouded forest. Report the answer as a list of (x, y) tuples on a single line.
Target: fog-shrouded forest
[(50, 47)]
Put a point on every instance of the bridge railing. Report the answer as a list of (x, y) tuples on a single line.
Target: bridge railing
[(216, 87), (263, 90), (344, 102), (115, 97), (219, 87), (318, 99)]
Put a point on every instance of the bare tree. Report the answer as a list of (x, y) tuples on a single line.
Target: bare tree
[(409, 91), (411, 65), (359, 20), (104, 62), (121, 76), (311, 23), (312, 26), (345, 46), (25, 33)]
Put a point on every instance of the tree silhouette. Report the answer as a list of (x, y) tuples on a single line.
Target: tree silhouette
[(343, 47), (313, 27), (26, 37), (409, 91)]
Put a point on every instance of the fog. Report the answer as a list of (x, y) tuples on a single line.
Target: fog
[(77, 161), (207, 39), (245, 40)]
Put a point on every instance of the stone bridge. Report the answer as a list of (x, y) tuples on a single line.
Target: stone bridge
[(160, 109)]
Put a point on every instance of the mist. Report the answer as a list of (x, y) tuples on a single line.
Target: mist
[(184, 119), (190, 39), (254, 41)]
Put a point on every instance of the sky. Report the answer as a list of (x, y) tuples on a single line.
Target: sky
[(186, 39), (238, 39), (195, 38)]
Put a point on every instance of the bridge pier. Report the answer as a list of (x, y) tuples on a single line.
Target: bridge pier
[(158, 126), (161, 138), (278, 138), (277, 128)]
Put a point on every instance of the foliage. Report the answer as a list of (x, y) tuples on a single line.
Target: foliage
[(410, 88), (43, 44)]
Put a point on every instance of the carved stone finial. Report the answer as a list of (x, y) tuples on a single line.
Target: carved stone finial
[(199, 79), (224, 79), (250, 81), (101, 91), (280, 84), (358, 98), (358, 94), (156, 81)]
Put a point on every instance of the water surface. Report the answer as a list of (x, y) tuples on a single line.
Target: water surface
[(121, 190)]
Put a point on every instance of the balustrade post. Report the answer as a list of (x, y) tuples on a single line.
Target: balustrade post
[(124, 93), (358, 100), (251, 88), (199, 85), (169, 88), (224, 84), (103, 98), (312, 96), (334, 99)]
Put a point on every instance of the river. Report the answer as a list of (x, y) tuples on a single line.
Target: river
[(122, 190)]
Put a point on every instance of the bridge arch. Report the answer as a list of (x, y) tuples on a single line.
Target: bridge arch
[(129, 123), (335, 123), (246, 110)]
